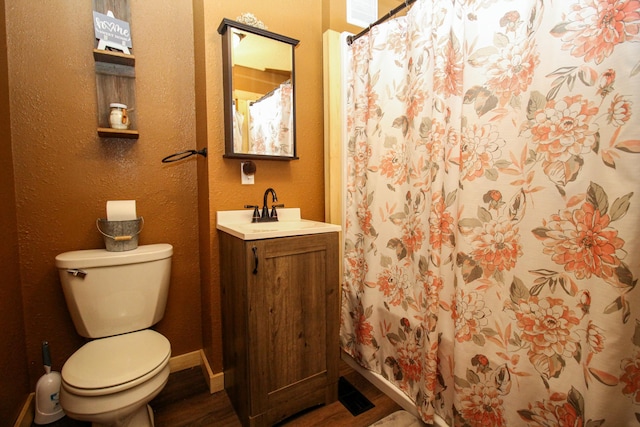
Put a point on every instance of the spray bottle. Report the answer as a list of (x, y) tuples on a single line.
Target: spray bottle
[(48, 407)]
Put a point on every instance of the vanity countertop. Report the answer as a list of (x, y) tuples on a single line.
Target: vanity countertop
[(238, 223)]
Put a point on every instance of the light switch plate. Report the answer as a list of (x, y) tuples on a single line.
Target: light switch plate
[(246, 179)]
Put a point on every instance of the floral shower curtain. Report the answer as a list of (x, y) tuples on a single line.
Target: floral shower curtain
[(492, 236), (271, 123)]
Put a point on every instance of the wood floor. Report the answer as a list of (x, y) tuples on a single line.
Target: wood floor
[(186, 401)]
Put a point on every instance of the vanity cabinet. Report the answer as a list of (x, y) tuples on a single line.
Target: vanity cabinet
[(280, 319)]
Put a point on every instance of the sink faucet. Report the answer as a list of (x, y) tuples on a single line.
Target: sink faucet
[(266, 216), (265, 210)]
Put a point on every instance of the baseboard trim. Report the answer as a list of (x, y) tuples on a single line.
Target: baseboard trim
[(215, 381), (185, 361), (25, 419), (176, 363)]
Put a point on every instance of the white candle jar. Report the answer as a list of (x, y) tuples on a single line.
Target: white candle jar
[(118, 116)]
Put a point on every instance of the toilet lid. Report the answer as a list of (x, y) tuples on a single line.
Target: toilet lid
[(112, 361)]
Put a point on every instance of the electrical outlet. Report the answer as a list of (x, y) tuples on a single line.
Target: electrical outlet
[(246, 179)]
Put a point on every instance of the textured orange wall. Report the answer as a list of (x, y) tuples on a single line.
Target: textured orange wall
[(298, 183), (14, 360), (65, 173)]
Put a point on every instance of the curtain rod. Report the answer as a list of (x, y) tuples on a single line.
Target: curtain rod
[(271, 92), (351, 39)]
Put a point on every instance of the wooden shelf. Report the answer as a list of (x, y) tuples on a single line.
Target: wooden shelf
[(115, 76), (118, 133), (113, 57)]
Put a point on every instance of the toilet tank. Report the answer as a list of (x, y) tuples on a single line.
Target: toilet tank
[(111, 293)]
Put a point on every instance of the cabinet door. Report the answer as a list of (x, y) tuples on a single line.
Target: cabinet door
[(293, 309)]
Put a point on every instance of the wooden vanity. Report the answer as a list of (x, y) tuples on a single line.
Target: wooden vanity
[(280, 318)]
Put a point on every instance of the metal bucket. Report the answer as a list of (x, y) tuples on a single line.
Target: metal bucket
[(120, 236)]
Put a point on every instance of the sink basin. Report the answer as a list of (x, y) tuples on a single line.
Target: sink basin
[(238, 223)]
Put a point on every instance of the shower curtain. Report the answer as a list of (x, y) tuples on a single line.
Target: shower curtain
[(271, 123), (491, 242)]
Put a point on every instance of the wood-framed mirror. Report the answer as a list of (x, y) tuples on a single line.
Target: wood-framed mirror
[(259, 92)]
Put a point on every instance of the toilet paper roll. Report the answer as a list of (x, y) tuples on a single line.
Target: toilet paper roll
[(121, 210)]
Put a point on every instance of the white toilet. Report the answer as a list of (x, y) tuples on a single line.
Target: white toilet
[(115, 297)]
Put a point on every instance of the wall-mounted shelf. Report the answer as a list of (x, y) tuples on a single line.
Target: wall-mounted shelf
[(118, 133), (113, 57), (115, 77)]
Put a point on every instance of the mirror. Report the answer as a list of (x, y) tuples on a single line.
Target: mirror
[(259, 92)]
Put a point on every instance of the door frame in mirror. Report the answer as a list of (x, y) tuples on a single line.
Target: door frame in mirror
[(227, 75)]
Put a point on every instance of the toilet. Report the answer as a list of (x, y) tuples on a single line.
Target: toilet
[(114, 298)]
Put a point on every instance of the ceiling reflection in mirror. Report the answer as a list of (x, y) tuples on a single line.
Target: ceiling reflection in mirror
[(259, 92)]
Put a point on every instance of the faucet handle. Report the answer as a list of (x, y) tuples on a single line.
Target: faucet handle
[(256, 214), (274, 213)]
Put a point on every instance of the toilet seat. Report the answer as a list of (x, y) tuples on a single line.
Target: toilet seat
[(117, 363)]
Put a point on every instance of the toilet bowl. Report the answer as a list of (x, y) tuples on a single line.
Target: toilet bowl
[(109, 381), (114, 298)]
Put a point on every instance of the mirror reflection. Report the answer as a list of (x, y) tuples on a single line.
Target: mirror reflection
[(259, 91)]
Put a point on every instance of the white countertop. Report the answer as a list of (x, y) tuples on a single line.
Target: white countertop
[(238, 223)]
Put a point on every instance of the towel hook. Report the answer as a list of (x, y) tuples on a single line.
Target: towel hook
[(183, 155)]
